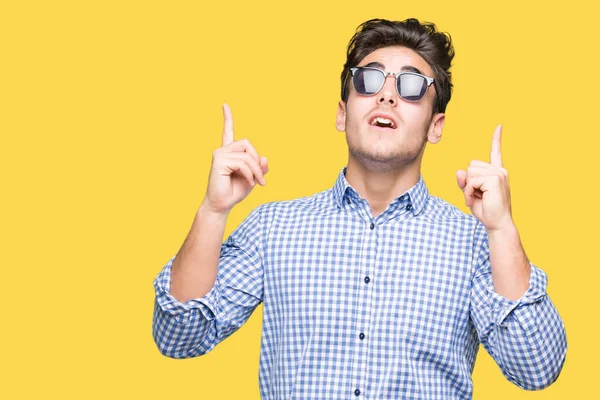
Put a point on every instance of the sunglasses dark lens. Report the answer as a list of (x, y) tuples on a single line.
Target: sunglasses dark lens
[(367, 81), (411, 87)]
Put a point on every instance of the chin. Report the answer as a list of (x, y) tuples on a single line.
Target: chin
[(374, 157)]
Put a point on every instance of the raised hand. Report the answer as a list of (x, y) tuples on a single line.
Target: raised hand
[(236, 168), (486, 189)]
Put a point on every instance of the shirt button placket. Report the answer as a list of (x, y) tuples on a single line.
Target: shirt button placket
[(365, 310)]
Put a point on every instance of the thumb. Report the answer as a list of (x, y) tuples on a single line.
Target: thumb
[(263, 164), (461, 178)]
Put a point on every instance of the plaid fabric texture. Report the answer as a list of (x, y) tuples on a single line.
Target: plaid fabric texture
[(392, 307)]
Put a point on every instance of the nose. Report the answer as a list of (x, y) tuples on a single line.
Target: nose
[(388, 94)]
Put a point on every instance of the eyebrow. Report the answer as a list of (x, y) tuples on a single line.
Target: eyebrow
[(406, 68)]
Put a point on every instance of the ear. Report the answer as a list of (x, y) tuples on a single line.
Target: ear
[(340, 121), (434, 135)]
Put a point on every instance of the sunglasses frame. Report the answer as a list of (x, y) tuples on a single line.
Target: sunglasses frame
[(385, 74)]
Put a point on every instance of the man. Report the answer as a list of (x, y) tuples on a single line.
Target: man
[(373, 288)]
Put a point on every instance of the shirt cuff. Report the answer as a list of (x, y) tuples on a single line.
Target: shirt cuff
[(183, 312), (522, 309)]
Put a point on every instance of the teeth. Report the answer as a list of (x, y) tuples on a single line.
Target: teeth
[(382, 121)]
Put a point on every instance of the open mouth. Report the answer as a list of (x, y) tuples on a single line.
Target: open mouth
[(382, 122)]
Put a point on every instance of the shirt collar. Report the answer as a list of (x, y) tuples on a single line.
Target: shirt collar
[(417, 194)]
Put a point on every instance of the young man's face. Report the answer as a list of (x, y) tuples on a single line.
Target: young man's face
[(381, 148)]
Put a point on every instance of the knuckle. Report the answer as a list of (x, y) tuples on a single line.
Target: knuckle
[(251, 159), (250, 146)]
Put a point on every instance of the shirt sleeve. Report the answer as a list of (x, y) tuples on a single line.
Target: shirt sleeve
[(196, 327), (526, 337)]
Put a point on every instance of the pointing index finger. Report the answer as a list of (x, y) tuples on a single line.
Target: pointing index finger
[(227, 125), (496, 153)]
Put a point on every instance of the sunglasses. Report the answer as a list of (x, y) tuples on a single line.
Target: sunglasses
[(410, 85)]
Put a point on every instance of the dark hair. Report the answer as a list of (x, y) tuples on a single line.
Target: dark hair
[(423, 38)]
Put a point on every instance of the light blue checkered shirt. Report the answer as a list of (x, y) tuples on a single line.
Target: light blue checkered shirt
[(363, 307)]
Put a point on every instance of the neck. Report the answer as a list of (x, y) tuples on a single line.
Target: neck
[(380, 187)]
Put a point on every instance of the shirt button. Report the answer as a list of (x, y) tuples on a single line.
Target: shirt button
[(367, 279), (357, 392), (408, 207), (361, 336), (372, 226)]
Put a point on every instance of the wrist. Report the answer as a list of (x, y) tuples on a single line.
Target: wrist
[(505, 229), (206, 211)]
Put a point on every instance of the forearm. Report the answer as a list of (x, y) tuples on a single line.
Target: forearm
[(195, 325), (510, 267), (517, 323), (195, 267)]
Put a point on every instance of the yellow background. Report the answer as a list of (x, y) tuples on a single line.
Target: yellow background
[(109, 114)]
